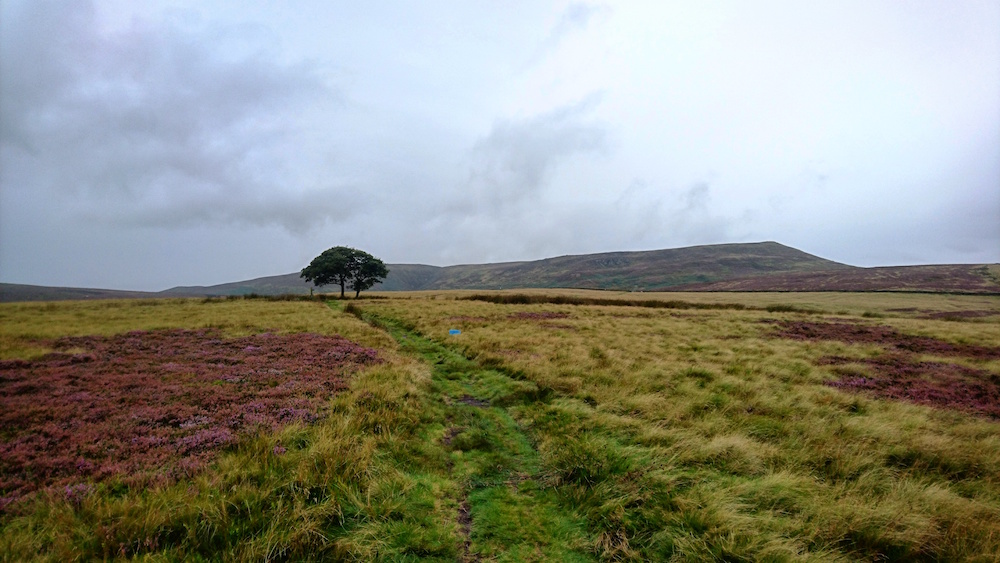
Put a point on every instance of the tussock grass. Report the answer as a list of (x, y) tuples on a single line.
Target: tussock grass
[(695, 434)]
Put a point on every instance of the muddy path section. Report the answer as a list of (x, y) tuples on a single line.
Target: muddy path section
[(149, 407), (491, 458)]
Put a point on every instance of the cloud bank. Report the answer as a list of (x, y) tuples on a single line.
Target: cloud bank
[(146, 145), (160, 124)]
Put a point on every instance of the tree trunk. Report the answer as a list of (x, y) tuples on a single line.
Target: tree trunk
[(341, 289), (358, 294)]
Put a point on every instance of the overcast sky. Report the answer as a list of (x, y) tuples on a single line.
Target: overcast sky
[(160, 143)]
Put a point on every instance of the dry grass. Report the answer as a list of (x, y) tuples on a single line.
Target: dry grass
[(357, 485), (610, 432), (26, 329), (751, 450)]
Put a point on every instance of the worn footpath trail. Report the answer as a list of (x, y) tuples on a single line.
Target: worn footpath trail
[(501, 509)]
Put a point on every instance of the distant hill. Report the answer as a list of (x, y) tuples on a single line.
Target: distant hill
[(21, 292), (763, 266), (271, 285), (952, 278), (644, 270)]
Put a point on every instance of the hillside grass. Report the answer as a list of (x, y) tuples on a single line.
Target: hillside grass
[(546, 431)]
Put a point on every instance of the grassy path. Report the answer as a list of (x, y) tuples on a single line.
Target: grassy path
[(502, 511)]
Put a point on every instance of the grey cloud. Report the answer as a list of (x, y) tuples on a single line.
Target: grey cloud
[(578, 14), (695, 222), (687, 217), (643, 214), (696, 198), (295, 213), (512, 164), (204, 141), (136, 121), (641, 217), (648, 218), (575, 17)]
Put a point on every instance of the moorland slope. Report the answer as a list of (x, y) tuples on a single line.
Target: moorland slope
[(629, 271), (763, 266)]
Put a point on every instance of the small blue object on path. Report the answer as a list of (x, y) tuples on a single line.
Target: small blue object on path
[(454, 331)]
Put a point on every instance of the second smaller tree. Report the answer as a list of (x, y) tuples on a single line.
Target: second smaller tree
[(370, 270)]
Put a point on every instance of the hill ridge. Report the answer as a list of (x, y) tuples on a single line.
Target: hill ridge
[(756, 266)]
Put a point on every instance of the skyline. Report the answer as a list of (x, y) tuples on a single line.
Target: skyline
[(146, 146)]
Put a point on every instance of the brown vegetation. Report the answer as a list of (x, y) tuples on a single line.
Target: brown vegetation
[(951, 278), (155, 405), (852, 333), (898, 374)]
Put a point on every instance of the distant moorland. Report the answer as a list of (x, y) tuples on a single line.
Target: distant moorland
[(764, 266)]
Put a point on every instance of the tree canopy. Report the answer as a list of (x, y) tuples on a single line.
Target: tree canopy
[(344, 265)]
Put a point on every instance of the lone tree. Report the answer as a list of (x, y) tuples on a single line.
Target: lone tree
[(342, 265)]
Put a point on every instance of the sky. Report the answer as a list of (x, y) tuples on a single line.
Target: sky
[(145, 145)]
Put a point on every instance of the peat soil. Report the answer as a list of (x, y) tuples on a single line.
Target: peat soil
[(150, 407), (897, 373)]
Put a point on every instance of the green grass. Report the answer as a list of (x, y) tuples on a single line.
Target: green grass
[(584, 431), (692, 435), (510, 517)]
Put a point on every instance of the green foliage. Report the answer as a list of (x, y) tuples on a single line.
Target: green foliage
[(342, 265), (333, 266), (370, 270)]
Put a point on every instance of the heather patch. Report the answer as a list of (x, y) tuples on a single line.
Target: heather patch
[(945, 315), (537, 316), (959, 315), (883, 335), (898, 376), (148, 407), (467, 319)]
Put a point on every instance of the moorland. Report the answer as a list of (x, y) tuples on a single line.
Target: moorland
[(520, 425), (762, 266)]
